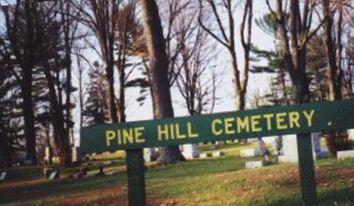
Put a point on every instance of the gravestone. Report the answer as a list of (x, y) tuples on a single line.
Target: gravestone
[(218, 153), (219, 143), (254, 152), (3, 176), (190, 151), (351, 134), (47, 155), (28, 163), (150, 154), (254, 164), (76, 156), (205, 155), (107, 163), (47, 171), (290, 148), (341, 155), (278, 145), (54, 175)]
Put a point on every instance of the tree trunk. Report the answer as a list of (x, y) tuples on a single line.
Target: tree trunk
[(27, 106), (26, 85), (111, 96), (336, 140), (158, 72), (62, 135)]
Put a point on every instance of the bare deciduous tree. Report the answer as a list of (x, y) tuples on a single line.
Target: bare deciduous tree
[(198, 79), (227, 38)]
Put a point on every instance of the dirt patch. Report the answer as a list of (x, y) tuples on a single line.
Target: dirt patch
[(328, 177), (103, 196), (111, 196)]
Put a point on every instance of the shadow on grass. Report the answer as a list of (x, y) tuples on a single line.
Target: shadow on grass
[(56, 188)]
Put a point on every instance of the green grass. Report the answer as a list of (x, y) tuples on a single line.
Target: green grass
[(212, 181)]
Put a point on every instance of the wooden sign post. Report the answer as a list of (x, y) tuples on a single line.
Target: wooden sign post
[(278, 120)]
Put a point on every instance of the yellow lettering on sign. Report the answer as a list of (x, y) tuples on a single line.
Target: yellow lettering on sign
[(172, 131), (280, 118), (139, 135), (228, 126), (216, 130), (110, 135), (294, 119), (255, 123), (119, 137), (128, 136), (243, 124), (268, 118), (309, 116), (179, 134), (190, 131), (162, 132)]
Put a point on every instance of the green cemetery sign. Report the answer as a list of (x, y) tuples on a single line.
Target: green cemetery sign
[(267, 121)]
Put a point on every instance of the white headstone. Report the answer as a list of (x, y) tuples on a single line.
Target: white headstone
[(345, 154), (75, 154), (218, 154), (219, 143), (47, 155), (254, 164), (254, 152), (150, 154), (290, 148), (205, 155), (54, 175), (190, 151), (351, 134)]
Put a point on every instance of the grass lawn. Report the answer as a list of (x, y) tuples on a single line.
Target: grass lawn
[(213, 181)]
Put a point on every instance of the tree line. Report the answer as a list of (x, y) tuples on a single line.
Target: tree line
[(48, 71)]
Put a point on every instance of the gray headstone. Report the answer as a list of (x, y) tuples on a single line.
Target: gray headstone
[(212, 147), (27, 162), (3, 176), (190, 151), (254, 152)]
